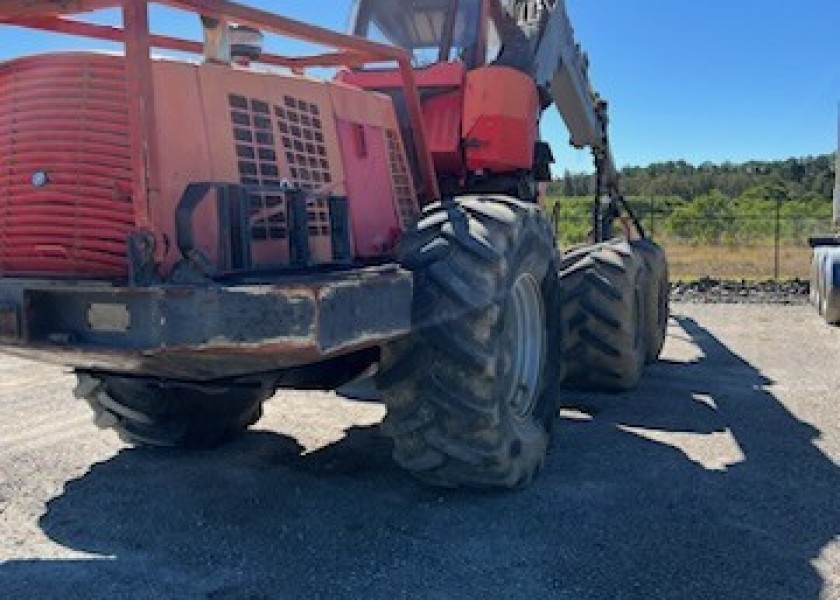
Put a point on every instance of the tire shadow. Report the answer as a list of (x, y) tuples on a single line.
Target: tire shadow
[(616, 513)]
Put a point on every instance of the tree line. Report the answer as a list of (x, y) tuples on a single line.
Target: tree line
[(806, 179), (744, 204)]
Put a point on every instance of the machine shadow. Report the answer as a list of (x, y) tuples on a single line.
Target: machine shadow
[(616, 514)]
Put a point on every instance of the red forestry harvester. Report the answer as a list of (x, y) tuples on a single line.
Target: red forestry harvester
[(190, 236)]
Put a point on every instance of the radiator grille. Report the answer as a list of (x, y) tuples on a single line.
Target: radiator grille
[(65, 166)]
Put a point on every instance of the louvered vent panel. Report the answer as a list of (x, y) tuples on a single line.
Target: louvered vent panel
[(65, 166), (401, 179)]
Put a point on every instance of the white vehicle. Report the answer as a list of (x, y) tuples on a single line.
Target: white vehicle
[(825, 262)]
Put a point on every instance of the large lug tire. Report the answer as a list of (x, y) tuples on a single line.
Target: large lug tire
[(159, 413), (657, 292), (603, 314), (472, 392)]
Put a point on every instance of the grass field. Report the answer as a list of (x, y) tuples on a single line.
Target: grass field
[(746, 252), (736, 262)]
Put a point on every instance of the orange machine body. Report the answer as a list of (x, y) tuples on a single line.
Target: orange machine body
[(500, 123), (442, 97), (97, 150), (483, 120), (66, 169)]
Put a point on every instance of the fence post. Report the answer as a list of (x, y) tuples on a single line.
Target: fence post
[(778, 240), (652, 218), (555, 221)]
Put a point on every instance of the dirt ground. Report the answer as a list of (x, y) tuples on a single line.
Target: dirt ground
[(717, 478)]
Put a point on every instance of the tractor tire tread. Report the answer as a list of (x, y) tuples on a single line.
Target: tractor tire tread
[(439, 385), (147, 412), (602, 284)]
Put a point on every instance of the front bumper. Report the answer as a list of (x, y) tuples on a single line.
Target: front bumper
[(203, 332)]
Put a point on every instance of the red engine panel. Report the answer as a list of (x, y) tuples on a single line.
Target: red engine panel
[(65, 166), (365, 152), (501, 112), (442, 93), (442, 117)]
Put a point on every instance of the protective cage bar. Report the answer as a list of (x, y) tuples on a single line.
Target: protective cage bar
[(350, 51)]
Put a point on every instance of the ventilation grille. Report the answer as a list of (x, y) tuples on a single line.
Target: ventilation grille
[(65, 166), (257, 161), (401, 179), (319, 229), (302, 138), (302, 133), (268, 217), (318, 217)]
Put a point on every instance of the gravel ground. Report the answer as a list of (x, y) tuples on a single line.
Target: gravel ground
[(716, 291), (717, 478)]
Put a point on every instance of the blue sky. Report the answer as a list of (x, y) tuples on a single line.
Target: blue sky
[(686, 79)]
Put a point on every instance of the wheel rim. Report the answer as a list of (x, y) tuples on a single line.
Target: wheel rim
[(525, 337)]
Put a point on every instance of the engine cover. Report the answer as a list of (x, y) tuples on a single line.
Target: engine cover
[(66, 204), (65, 166)]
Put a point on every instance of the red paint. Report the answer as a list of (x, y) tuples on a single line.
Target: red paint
[(350, 51), (111, 164), (64, 115), (442, 112), (369, 190), (442, 116), (140, 104), (501, 108), (361, 141), (441, 75)]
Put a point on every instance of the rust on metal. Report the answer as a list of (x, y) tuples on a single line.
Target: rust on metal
[(141, 111), (194, 332)]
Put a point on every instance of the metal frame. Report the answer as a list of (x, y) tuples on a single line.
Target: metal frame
[(50, 15), (191, 332)]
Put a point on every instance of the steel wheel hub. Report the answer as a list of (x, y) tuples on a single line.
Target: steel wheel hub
[(525, 344)]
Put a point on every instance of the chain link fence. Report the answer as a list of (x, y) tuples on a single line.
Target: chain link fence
[(757, 241)]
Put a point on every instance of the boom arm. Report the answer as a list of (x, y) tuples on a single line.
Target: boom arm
[(561, 68)]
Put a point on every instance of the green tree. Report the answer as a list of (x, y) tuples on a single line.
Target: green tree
[(708, 219)]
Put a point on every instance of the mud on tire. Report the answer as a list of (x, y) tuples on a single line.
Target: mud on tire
[(461, 411), (603, 315), (159, 413)]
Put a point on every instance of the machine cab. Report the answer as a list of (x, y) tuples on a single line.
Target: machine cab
[(471, 63), (434, 31)]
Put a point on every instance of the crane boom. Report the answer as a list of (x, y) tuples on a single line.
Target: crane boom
[(560, 67)]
